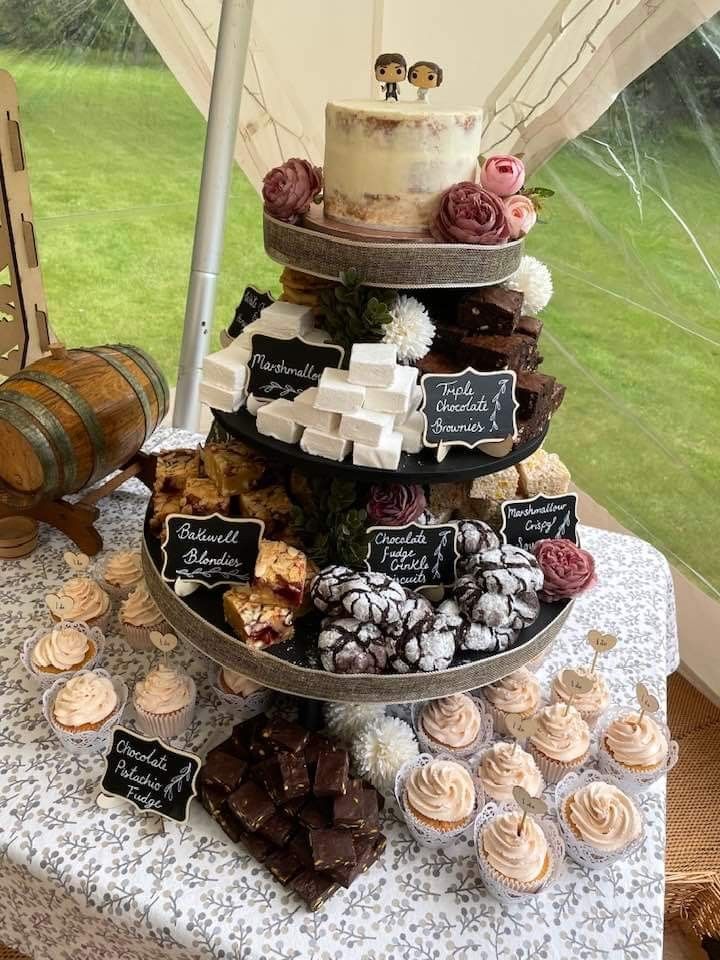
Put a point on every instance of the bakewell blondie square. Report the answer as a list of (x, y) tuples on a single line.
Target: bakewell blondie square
[(280, 574), (256, 623), (271, 505), (233, 467)]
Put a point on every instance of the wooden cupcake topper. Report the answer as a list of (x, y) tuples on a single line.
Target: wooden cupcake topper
[(528, 804), (520, 727), (78, 562), (600, 643), (649, 703), (164, 642), (60, 606), (577, 684)]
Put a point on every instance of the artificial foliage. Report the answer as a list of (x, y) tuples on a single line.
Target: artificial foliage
[(332, 523), (354, 313)]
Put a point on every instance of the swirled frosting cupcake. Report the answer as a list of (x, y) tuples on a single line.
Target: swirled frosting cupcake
[(139, 617), (639, 746), (440, 794), (237, 684), (561, 742), (84, 703), (506, 765), (122, 572), (518, 693), (604, 817), (66, 648), (91, 604), (521, 860), (590, 705), (451, 723), (164, 701)]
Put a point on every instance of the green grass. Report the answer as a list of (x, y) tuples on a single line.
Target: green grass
[(115, 157)]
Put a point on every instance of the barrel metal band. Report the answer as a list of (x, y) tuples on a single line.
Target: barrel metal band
[(155, 377), (132, 381), (54, 429), (82, 408), (26, 425)]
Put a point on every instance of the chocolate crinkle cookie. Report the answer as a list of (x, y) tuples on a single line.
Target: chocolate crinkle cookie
[(428, 647), (474, 536), (327, 587), (478, 637), (505, 570), (348, 646), (373, 598), (414, 615)]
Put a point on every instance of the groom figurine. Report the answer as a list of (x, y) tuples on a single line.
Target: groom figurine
[(390, 70)]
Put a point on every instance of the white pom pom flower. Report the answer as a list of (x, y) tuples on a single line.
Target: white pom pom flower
[(346, 720), (411, 330), (381, 749), (534, 280)]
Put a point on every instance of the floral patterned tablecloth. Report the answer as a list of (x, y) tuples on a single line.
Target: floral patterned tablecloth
[(77, 882)]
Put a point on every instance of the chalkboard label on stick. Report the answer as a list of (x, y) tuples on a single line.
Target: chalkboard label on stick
[(150, 775), (417, 555), (252, 304), (210, 550), (284, 368), (524, 522), (468, 408)]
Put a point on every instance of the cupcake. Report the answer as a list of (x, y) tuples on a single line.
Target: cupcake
[(635, 751), (83, 709), (164, 702), (590, 705), (518, 693), (139, 617), (561, 742), (452, 724), (521, 862), (91, 604), (440, 795), (504, 766), (67, 648), (243, 695), (600, 823), (121, 573)]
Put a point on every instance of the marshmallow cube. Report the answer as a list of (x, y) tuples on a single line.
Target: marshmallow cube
[(276, 419), (396, 397), (227, 368), (318, 335), (306, 415), (366, 426), (412, 431), (385, 456), (287, 319), (221, 399), (336, 394), (255, 403), (373, 364), (327, 445)]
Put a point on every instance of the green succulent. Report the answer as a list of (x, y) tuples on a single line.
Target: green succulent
[(333, 529), (355, 313)]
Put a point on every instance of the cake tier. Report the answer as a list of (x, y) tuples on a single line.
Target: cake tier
[(387, 163)]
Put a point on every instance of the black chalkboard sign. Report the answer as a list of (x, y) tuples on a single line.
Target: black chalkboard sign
[(249, 309), (417, 555), (210, 550), (150, 775), (468, 408), (284, 368), (524, 522)]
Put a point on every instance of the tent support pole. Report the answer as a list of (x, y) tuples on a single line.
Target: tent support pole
[(227, 85)]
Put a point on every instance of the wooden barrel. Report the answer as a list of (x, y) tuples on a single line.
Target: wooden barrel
[(70, 419)]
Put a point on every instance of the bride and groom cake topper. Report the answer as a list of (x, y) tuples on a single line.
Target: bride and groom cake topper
[(391, 69)]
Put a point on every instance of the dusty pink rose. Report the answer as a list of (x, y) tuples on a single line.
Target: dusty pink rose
[(289, 190), (503, 175), (470, 214), (568, 570), (521, 215), (395, 504)]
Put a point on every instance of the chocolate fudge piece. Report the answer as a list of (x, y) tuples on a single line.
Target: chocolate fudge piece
[(367, 851), (347, 808), (271, 505), (331, 773), (230, 824), (283, 865), (300, 846), (493, 310), (530, 326), (173, 468), (212, 798), (233, 467), (257, 624), (332, 848), (315, 816), (257, 846), (267, 773), (201, 498), (316, 743), (280, 574), (251, 805), (293, 807), (488, 353), (223, 770), (285, 735), (293, 775), (314, 888), (243, 735), (164, 504), (370, 808), (278, 829), (533, 390)]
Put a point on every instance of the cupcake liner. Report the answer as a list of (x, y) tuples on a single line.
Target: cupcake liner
[(504, 889), (48, 679), (498, 716), (591, 717), (477, 761), (422, 832), (629, 780), (428, 745), (166, 726), (555, 770), (102, 622), (88, 741), (139, 637), (243, 708), (578, 850), (116, 591)]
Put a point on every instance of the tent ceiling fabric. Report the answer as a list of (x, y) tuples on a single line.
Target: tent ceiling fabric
[(544, 70)]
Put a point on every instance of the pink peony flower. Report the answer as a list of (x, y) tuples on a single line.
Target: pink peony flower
[(289, 190), (521, 215), (470, 214), (568, 570), (395, 504), (503, 175)]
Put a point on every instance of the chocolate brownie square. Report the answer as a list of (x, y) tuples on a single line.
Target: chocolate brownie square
[(488, 353), (331, 773), (332, 848), (438, 362), (533, 390), (251, 804), (530, 326), (493, 310)]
